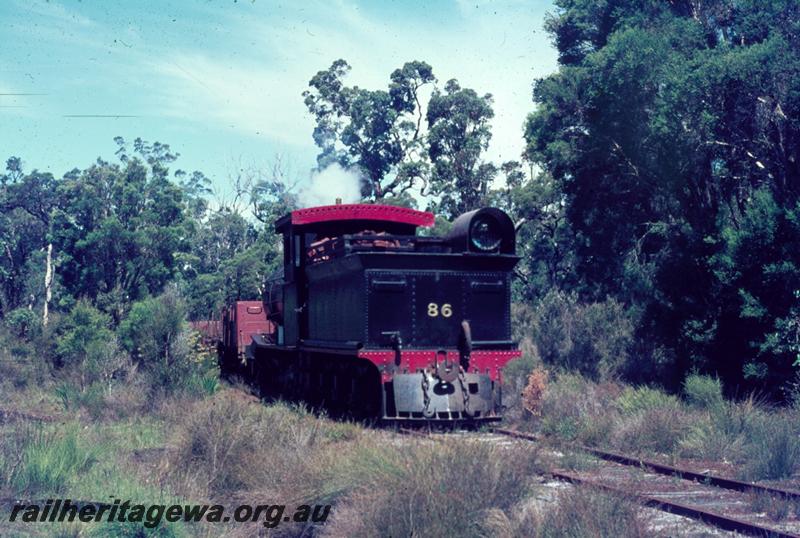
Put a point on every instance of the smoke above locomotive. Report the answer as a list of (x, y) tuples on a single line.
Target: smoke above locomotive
[(369, 319)]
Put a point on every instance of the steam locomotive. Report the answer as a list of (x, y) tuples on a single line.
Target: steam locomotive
[(369, 319)]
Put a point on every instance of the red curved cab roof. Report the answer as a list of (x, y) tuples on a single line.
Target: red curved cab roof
[(344, 212)]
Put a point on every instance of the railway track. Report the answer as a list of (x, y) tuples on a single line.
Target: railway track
[(717, 501)]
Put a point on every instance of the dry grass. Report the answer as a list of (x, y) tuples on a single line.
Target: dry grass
[(230, 444), (576, 513), (534, 391), (764, 441), (777, 508), (576, 409), (424, 489), (231, 449)]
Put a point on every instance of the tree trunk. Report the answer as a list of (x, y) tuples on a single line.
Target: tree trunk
[(48, 283)]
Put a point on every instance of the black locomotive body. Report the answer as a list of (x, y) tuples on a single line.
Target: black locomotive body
[(369, 318)]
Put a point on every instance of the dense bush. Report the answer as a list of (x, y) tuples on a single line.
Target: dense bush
[(21, 322), (593, 339), (160, 341), (575, 408), (86, 347), (774, 450)]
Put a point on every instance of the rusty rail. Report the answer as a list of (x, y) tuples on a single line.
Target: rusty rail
[(711, 518), (659, 468)]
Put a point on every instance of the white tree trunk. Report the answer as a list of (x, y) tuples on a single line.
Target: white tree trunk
[(48, 283)]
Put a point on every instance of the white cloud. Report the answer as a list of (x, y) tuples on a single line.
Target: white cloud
[(248, 97), (492, 49)]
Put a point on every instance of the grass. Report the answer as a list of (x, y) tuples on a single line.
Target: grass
[(210, 444), (423, 490), (48, 459), (575, 460), (763, 442), (703, 391), (230, 447), (583, 513), (773, 451), (777, 508), (229, 443)]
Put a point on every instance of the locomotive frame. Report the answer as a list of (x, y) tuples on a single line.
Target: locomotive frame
[(370, 320)]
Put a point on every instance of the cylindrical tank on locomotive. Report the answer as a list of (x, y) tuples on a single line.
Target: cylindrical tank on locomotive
[(368, 317)]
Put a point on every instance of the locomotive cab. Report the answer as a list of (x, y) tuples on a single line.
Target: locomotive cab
[(417, 327)]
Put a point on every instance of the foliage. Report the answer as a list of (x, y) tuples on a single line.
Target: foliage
[(593, 339), (26, 204), (578, 409), (458, 132), (725, 430), (22, 322), (86, 347), (230, 261), (376, 131), (382, 134), (759, 266), (545, 240), (703, 391), (156, 335), (118, 228), (639, 400), (670, 131), (169, 352)]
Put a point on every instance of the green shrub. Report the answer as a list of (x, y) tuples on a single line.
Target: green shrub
[(658, 429), (91, 398), (703, 391), (50, 459), (20, 370), (593, 339), (773, 451), (576, 408), (634, 401), (22, 322), (205, 383), (87, 348), (650, 420), (722, 430), (156, 335)]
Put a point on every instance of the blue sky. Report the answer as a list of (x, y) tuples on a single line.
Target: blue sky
[(221, 81)]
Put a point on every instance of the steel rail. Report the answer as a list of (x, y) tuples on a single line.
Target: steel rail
[(668, 470), (711, 518), (699, 514)]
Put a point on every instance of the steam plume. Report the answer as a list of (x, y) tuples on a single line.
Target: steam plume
[(331, 183)]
